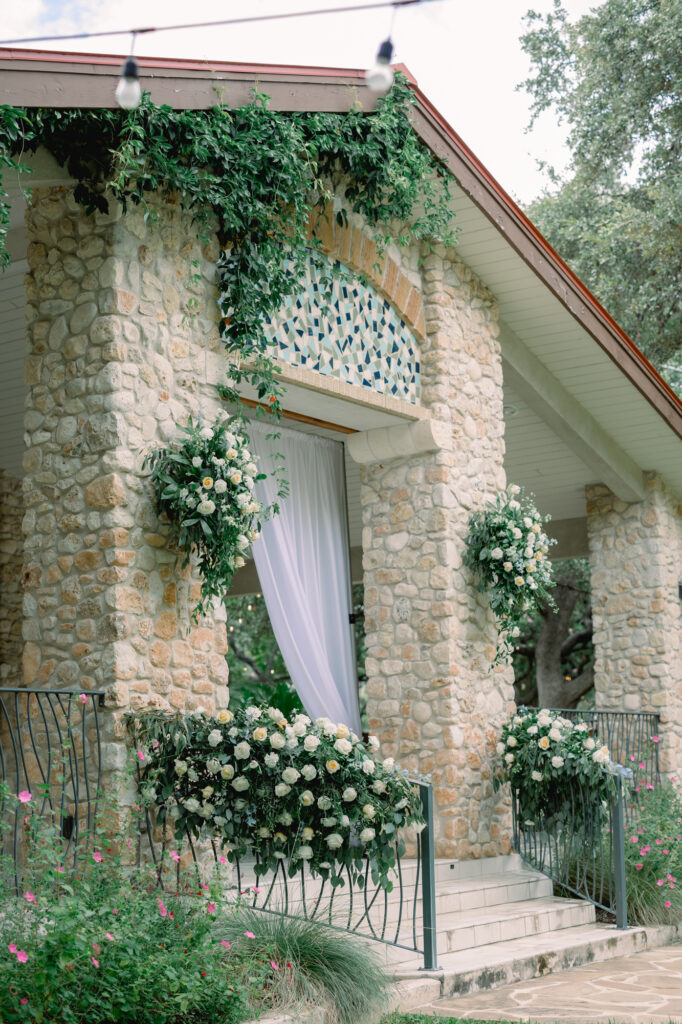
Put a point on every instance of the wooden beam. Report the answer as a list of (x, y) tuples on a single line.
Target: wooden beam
[(569, 420)]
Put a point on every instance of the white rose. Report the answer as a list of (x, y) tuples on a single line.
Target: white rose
[(343, 746), (324, 803), (240, 783), (292, 742), (373, 742), (192, 805), (271, 759), (236, 477), (512, 741), (251, 468), (212, 766), (224, 716), (368, 767), (496, 553), (307, 798), (500, 748), (328, 822), (192, 775), (589, 743), (369, 810), (285, 818), (514, 488), (304, 852), (555, 734), (276, 715), (532, 730), (281, 789), (291, 775), (367, 835), (334, 841), (196, 462), (215, 737), (518, 580), (536, 776), (509, 758), (514, 505), (220, 487), (516, 533), (253, 712), (307, 833), (345, 820), (299, 728), (175, 812), (242, 750), (379, 786), (528, 523), (342, 731), (206, 507), (507, 566), (254, 534), (311, 743), (401, 803), (242, 542), (233, 732), (277, 741), (180, 767), (389, 763), (308, 771), (557, 762), (227, 771), (207, 791), (349, 794)]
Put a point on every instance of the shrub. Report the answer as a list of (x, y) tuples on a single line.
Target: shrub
[(653, 857), (317, 964), (102, 945)]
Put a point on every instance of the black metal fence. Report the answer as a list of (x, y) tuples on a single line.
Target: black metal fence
[(404, 918), (50, 748), (583, 848)]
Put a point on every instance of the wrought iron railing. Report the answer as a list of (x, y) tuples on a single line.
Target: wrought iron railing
[(582, 848), (404, 918), (50, 747)]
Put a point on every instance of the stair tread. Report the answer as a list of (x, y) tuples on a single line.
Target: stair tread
[(505, 912)]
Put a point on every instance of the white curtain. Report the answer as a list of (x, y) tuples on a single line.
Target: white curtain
[(302, 560)]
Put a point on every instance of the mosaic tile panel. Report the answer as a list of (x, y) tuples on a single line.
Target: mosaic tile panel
[(355, 336)]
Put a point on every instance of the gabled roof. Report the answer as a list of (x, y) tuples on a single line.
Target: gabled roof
[(564, 354)]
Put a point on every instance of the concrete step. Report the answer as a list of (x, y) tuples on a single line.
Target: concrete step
[(467, 930), (504, 963)]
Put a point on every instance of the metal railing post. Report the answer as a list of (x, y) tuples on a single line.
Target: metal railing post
[(619, 856), (428, 881)]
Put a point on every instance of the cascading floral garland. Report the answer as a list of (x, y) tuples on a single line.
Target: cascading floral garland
[(297, 791), (204, 484), (506, 550)]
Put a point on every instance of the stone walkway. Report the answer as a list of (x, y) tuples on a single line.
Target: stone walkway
[(643, 988)]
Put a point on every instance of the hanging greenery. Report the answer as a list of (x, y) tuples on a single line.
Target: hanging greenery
[(506, 550), (254, 177)]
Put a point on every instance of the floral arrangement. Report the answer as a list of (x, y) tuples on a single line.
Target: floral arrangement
[(542, 755), (507, 552), (294, 791), (204, 485)]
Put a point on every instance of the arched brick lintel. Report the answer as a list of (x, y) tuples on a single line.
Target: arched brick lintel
[(356, 250)]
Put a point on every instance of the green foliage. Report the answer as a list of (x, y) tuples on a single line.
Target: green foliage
[(283, 791), (204, 486), (543, 756), (506, 551), (256, 178), (102, 947), (322, 966), (615, 78), (653, 856)]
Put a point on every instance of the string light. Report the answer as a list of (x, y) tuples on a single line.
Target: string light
[(129, 91), (380, 77)]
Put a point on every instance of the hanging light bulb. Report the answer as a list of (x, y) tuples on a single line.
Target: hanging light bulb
[(128, 91), (380, 77)]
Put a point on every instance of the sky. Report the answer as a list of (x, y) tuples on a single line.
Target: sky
[(466, 57)]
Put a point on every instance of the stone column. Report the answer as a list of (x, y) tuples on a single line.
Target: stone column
[(434, 700), (11, 573), (122, 323), (636, 567)]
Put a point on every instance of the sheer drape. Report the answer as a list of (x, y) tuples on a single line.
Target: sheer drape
[(302, 561)]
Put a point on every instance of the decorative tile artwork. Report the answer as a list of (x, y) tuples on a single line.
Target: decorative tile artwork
[(358, 338)]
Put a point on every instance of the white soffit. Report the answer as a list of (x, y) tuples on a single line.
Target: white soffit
[(564, 347)]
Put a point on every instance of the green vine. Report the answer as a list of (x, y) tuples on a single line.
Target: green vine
[(254, 177)]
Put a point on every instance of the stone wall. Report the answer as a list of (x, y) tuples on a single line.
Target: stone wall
[(11, 573), (122, 328), (433, 700), (636, 558)]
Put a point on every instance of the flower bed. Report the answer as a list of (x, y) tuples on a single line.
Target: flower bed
[(293, 791)]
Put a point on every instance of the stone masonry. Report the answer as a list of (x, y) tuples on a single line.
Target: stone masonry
[(122, 325), (11, 572), (433, 700), (636, 560)]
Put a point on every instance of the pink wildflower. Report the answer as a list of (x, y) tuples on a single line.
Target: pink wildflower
[(30, 897), (12, 948), (666, 851), (254, 888), (83, 698), (274, 965), (162, 907), (211, 908), (638, 867), (655, 739), (175, 856), (23, 1001), (97, 857), (659, 882), (658, 842), (60, 869), (249, 935), (95, 962), (140, 754), (650, 785), (223, 860), (632, 757), (634, 839), (226, 944), (641, 764), (108, 935), (22, 956), (114, 911), (667, 904), (25, 797)]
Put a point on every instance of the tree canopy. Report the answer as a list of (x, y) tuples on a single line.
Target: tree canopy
[(614, 78)]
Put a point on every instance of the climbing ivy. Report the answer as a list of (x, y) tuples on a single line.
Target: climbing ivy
[(256, 178)]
